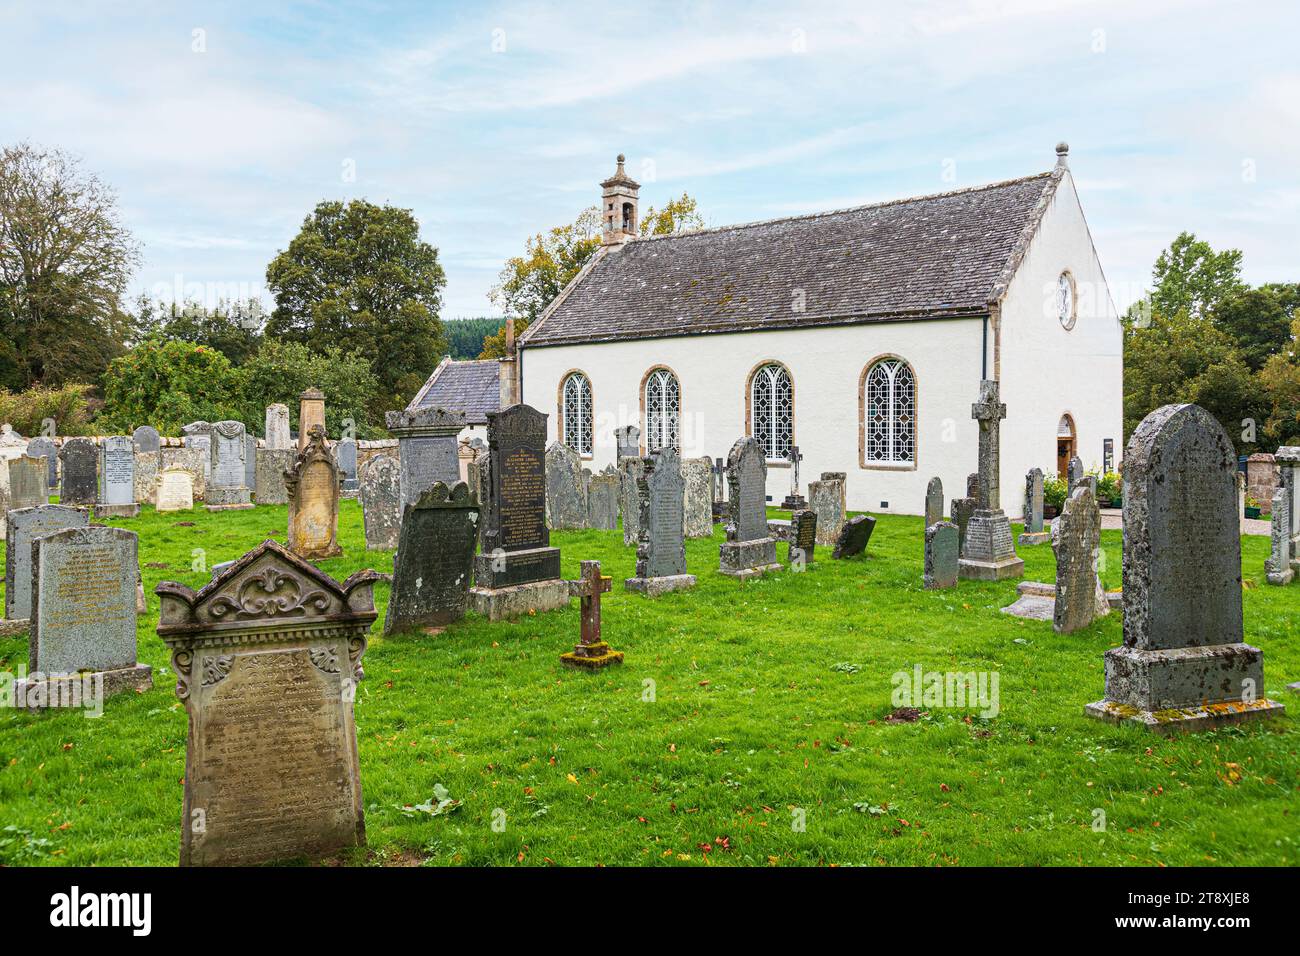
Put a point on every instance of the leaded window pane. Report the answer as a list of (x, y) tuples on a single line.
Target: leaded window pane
[(772, 411), (889, 402), (662, 410), (577, 413)]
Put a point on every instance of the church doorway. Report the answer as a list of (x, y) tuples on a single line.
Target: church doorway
[(1066, 445)]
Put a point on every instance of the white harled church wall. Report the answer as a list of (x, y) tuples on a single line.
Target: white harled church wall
[(1047, 371)]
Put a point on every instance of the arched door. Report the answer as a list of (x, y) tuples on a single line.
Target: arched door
[(1066, 444)]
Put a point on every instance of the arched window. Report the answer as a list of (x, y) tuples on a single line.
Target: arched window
[(771, 411), (662, 409), (576, 412), (889, 410)]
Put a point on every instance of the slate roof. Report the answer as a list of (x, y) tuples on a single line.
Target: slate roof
[(472, 387), (935, 256)]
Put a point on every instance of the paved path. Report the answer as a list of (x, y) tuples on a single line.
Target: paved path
[(1114, 518)]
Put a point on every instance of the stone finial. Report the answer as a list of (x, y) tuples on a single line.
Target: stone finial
[(1062, 151)]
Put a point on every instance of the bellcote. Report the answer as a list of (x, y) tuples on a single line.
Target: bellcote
[(618, 206)]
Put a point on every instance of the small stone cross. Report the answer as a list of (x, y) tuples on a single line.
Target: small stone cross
[(795, 456), (591, 652)]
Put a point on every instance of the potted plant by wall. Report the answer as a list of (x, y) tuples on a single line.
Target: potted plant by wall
[(1252, 507), (1053, 497), (1109, 493)]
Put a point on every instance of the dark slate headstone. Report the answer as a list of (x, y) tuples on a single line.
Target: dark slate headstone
[(749, 549), (345, 452), (47, 449), (381, 500), (79, 460), (435, 557), (146, 439), (1076, 542), (1183, 665), (941, 555), (854, 536), (803, 537), (933, 502), (427, 445), (566, 491), (22, 526)]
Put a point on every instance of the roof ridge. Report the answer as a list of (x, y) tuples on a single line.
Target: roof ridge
[(839, 212)]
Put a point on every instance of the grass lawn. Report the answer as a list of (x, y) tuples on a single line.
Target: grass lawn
[(769, 698)]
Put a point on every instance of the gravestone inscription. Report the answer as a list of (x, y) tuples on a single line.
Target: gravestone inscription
[(941, 555), (435, 557), (381, 502), (79, 461), (27, 487), (313, 487), (661, 549), (748, 550), (22, 527), (427, 446), (117, 481)]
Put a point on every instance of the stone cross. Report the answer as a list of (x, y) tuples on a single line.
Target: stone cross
[(989, 412), (592, 652), (795, 457)]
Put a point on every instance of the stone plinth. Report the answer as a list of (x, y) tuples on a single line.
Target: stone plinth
[(499, 604), (653, 587)]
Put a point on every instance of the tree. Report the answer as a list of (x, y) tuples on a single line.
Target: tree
[(281, 371), (465, 336), (1259, 320), (168, 384), (232, 328), (1280, 382), (357, 276), (1190, 276), (65, 261), (677, 215)]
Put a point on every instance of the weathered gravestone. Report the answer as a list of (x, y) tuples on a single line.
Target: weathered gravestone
[(854, 536), (22, 527), (1076, 542), (47, 449), (748, 550), (933, 502), (1033, 532), (27, 487), (228, 474), (987, 550), (146, 439), (381, 502), (277, 427), (961, 510), (1183, 665), (435, 557), (250, 461), (146, 464), (1277, 567), (660, 549), (941, 555), (79, 459), (827, 498), (117, 478), (268, 483), (1288, 462), (311, 412), (592, 651), (12, 445), (313, 487), (518, 571), (630, 471), (198, 435), (803, 538), (566, 492), (175, 490), (697, 497), (427, 447), (82, 618), (602, 500), (193, 460), (345, 453), (267, 656), (1074, 474), (628, 441)]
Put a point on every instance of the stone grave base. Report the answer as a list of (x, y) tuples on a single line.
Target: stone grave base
[(592, 656), (227, 499), (497, 604), (653, 587), (973, 570), (117, 511), (1115, 599), (794, 503), (1280, 577), (39, 693), (11, 627), (238, 507), (1035, 601), (748, 559), (1034, 537), (986, 550), (1184, 719), (504, 569)]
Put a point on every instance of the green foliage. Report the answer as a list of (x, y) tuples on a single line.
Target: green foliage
[(494, 346), (168, 384), (233, 329), (28, 410), (281, 371), (677, 215), (1280, 381), (1110, 485), (465, 336), (1258, 320), (358, 277), (528, 283), (1054, 489), (1191, 277)]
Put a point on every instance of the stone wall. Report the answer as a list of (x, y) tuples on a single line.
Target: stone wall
[(1262, 480)]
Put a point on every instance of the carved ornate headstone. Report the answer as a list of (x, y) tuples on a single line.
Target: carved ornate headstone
[(175, 490), (602, 501), (628, 441), (27, 487), (435, 557), (146, 439), (47, 449), (268, 482), (987, 550), (1277, 567), (1076, 542), (1033, 532), (853, 537), (117, 478), (803, 538), (518, 570), (278, 437), (82, 617), (592, 651), (827, 498), (427, 447), (345, 453), (79, 460), (381, 502), (660, 550), (566, 492), (933, 502), (748, 550), (630, 471), (22, 527), (267, 656), (311, 412), (698, 497), (941, 555), (313, 487), (228, 474), (1183, 665)]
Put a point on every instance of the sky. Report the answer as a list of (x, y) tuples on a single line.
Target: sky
[(220, 126)]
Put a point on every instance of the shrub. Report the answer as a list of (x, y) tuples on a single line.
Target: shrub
[(168, 384), (27, 410), (281, 371), (1054, 492)]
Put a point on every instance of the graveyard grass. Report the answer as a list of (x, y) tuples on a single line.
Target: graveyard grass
[(769, 698)]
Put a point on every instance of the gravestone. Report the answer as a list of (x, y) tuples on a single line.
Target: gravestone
[(518, 571), (313, 487), (47, 449), (854, 536), (198, 435), (748, 550), (267, 658), (1074, 474), (1033, 532), (718, 472), (250, 461), (175, 490), (79, 461), (272, 463), (961, 510), (628, 441), (193, 460), (602, 501), (146, 439), (22, 526), (630, 471), (566, 492), (987, 550), (592, 651), (941, 555), (146, 475), (227, 476), (117, 478), (427, 447), (435, 558), (345, 452), (83, 582), (1183, 665), (827, 498), (12, 445), (803, 538), (794, 501), (933, 502), (27, 487), (381, 500), (661, 549), (1277, 567), (1288, 463), (1076, 542), (277, 427), (311, 412), (697, 497)]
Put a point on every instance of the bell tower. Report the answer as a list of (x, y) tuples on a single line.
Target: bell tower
[(618, 201)]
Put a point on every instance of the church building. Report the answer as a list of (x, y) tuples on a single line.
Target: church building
[(859, 336)]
